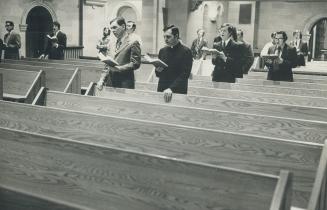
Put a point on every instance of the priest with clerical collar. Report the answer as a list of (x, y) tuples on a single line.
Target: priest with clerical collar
[(178, 57)]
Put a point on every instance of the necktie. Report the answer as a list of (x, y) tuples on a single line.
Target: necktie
[(118, 43), (224, 44)]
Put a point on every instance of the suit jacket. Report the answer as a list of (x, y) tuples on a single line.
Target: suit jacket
[(128, 56), (227, 71), (197, 46), (175, 76), (247, 57), (13, 42), (301, 50), (283, 71), (53, 52), (1, 46)]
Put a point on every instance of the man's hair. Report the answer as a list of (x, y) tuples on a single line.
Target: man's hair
[(134, 24), (105, 29), (299, 32), (174, 30), (200, 29), (120, 21), (231, 29), (273, 35), (283, 33), (56, 23), (10, 22)]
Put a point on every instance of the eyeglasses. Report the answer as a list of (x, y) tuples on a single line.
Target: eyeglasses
[(279, 38), (7, 25)]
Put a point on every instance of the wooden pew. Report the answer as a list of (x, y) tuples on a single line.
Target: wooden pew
[(65, 80), (16, 199), (21, 86), (1, 87), (318, 199), (213, 103), (307, 71), (303, 85), (297, 77), (101, 177), (261, 88), (217, 147), (202, 88), (263, 76), (90, 72)]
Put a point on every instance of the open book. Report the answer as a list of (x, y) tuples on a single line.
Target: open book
[(269, 58), (210, 50), (108, 60), (155, 61)]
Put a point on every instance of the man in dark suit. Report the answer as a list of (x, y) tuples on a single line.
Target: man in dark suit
[(227, 57), (128, 56), (247, 53), (55, 44), (281, 68), (178, 57), (301, 48), (12, 42)]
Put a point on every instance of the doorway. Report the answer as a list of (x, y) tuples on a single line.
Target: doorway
[(39, 24), (318, 40)]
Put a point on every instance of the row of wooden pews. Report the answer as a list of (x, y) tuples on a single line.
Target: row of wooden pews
[(214, 148)]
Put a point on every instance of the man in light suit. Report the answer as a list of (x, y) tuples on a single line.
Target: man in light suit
[(55, 44), (281, 68), (198, 44), (12, 42), (228, 55), (127, 54)]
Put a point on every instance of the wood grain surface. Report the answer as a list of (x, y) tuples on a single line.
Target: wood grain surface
[(262, 154), (104, 178)]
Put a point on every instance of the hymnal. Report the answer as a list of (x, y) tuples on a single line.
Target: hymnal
[(155, 61), (108, 60)]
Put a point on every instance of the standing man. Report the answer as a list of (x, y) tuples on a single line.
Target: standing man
[(281, 68), (55, 44), (247, 53), (198, 43), (227, 57), (1, 46), (131, 27), (12, 42), (128, 56), (301, 48), (178, 57)]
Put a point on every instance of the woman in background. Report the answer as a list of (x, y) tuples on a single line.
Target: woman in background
[(103, 44)]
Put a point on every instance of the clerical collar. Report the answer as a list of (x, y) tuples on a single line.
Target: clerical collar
[(176, 45)]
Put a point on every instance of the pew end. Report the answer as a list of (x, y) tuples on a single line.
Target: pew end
[(40, 98), (1, 87), (318, 199), (90, 91), (74, 84), (283, 193)]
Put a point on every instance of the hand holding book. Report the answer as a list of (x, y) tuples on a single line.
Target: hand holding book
[(211, 50), (108, 60), (155, 61)]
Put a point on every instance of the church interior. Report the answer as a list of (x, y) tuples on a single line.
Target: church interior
[(72, 137)]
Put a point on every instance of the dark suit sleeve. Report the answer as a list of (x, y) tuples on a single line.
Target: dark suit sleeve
[(62, 41), (248, 58), (187, 63), (160, 57), (290, 60), (16, 43), (135, 58)]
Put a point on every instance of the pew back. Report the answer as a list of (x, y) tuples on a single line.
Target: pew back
[(97, 177), (65, 80), (211, 146), (21, 86), (1, 87), (318, 199)]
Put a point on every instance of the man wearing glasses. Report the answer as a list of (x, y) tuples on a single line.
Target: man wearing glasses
[(12, 42), (280, 69)]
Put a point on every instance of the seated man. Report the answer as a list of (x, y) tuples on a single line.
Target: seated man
[(280, 69)]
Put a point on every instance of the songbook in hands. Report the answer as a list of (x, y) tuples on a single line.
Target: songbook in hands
[(108, 60), (155, 61), (269, 58), (52, 38), (210, 50)]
